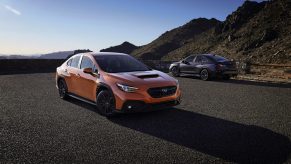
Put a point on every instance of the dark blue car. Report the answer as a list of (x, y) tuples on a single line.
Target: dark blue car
[(206, 66)]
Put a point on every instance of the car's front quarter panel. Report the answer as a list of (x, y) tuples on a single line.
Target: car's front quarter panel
[(176, 64), (142, 93)]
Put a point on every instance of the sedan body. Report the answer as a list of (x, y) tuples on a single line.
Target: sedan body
[(116, 83), (206, 66)]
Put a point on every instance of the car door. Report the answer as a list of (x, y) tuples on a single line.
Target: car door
[(197, 64), (72, 70), (186, 66), (87, 82), (67, 75)]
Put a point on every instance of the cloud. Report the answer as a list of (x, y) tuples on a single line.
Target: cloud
[(14, 11)]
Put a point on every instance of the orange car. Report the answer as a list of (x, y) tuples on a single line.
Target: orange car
[(116, 82)]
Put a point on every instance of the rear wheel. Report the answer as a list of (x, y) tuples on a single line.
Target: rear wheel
[(105, 103), (175, 71), (204, 75), (63, 89)]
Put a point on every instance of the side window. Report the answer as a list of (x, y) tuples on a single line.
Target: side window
[(190, 59), (205, 60), (69, 62), (75, 62), (198, 59), (87, 63)]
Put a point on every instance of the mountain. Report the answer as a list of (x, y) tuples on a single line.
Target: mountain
[(125, 47), (56, 55), (175, 38), (18, 56), (258, 32)]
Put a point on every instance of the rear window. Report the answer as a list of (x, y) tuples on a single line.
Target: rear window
[(218, 58)]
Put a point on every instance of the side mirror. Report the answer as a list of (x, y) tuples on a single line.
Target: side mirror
[(185, 62), (88, 70), (91, 72)]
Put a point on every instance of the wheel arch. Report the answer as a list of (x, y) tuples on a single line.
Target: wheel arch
[(58, 80), (103, 86)]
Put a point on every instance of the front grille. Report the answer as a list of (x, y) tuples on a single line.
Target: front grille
[(162, 91)]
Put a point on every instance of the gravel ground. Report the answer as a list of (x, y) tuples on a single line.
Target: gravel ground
[(217, 122)]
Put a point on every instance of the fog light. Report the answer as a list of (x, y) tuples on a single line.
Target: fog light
[(129, 106)]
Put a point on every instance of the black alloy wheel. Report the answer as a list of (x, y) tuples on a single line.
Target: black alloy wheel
[(175, 71), (204, 75), (105, 103), (63, 89)]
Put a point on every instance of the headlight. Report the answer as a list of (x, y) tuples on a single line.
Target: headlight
[(126, 88)]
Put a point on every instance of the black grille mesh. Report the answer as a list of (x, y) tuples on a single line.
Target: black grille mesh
[(162, 91)]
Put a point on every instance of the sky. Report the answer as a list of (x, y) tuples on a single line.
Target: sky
[(44, 26)]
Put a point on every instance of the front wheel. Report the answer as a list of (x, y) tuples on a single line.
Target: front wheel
[(105, 103), (175, 71), (63, 89), (204, 75)]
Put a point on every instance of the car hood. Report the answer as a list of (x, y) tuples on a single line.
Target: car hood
[(176, 62), (152, 78)]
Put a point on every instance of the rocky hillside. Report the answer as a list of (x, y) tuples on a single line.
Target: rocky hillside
[(258, 32), (174, 39), (56, 55), (125, 47)]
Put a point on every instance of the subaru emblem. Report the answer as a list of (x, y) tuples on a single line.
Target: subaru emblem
[(164, 90)]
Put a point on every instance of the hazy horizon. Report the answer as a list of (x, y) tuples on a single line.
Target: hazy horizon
[(40, 27)]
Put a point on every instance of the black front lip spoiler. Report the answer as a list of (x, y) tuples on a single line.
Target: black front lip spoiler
[(140, 106)]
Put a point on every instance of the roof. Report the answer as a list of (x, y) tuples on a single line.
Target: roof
[(107, 53)]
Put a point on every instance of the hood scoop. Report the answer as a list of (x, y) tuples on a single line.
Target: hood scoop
[(147, 76)]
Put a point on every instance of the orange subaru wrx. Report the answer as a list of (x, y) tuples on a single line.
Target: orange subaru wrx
[(116, 82)]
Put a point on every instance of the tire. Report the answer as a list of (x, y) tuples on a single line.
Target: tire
[(105, 103), (63, 89), (204, 75), (175, 71)]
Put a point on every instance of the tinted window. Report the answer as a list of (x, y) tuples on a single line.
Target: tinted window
[(86, 63), (190, 59), (75, 62), (119, 63), (198, 59), (205, 60), (202, 59), (218, 58)]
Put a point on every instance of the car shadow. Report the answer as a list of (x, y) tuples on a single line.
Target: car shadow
[(244, 82), (217, 137), (231, 141), (256, 83)]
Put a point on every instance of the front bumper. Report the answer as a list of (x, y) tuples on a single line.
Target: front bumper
[(132, 106), (143, 101)]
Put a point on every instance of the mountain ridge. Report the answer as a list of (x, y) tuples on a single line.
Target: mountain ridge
[(125, 47), (257, 32)]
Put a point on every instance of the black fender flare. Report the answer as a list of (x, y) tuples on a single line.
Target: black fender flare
[(103, 86)]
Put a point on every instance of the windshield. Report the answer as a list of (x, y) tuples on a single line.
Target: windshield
[(119, 63)]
